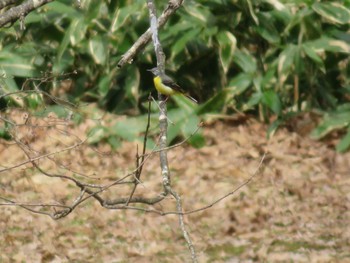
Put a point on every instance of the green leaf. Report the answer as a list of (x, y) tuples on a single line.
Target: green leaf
[(74, 35), (273, 127), (33, 18), (130, 128), (311, 53), (240, 83), (104, 85), (343, 107), (328, 44), (176, 116), (12, 64), (59, 110), (344, 143), (269, 78), (214, 104), (65, 61), (62, 8), (181, 42), (333, 12), (267, 29), (94, 9), (34, 100), (252, 13), (183, 124), (286, 62), (188, 127), (119, 18), (8, 85), (197, 140), (198, 14), (257, 81), (271, 99), (64, 44), (132, 83), (254, 99), (4, 133), (125, 13), (330, 123), (227, 46), (114, 142), (185, 103), (297, 19), (77, 32), (96, 134), (98, 50), (176, 29), (209, 32), (245, 61), (277, 5)]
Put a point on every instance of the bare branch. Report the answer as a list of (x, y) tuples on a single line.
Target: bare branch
[(31, 160), (183, 228), (139, 166), (13, 203), (163, 126), (20, 11), (232, 192), (200, 125), (145, 38), (246, 182)]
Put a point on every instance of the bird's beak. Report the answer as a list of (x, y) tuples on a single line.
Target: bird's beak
[(149, 69)]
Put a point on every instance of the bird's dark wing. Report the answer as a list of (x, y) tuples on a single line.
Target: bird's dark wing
[(167, 81)]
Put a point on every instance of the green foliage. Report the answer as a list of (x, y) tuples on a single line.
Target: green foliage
[(62, 38), (335, 120), (266, 57), (4, 131)]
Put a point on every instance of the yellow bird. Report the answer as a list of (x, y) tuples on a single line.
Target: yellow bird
[(166, 86)]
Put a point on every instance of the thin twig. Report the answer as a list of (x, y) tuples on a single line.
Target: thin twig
[(145, 137), (31, 160), (145, 38), (246, 182), (139, 166), (230, 193), (182, 226), (200, 125)]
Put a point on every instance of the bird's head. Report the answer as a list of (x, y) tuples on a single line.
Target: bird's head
[(155, 71)]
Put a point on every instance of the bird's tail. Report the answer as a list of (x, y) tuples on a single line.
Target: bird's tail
[(191, 98)]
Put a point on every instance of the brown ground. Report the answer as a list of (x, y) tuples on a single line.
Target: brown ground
[(295, 210)]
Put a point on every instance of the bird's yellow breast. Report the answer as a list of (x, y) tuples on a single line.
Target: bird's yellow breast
[(165, 90)]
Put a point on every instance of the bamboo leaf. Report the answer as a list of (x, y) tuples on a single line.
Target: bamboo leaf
[(227, 47), (333, 12), (98, 50)]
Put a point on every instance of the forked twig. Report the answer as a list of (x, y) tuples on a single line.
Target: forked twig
[(145, 38), (139, 166), (235, 190)]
